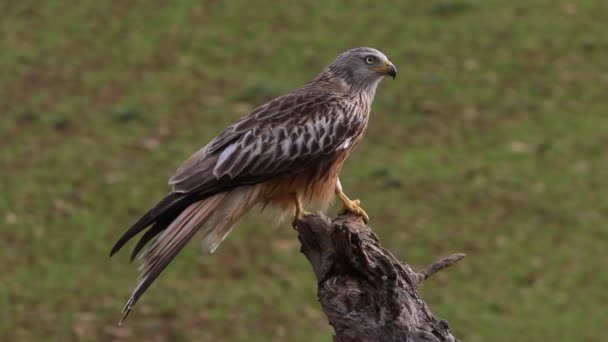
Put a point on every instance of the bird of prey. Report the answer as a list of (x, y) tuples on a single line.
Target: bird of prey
[(285, 154)]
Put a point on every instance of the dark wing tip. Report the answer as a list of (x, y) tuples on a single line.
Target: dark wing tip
[(121, 242), (140, 225), (117, 246), (149, 235)]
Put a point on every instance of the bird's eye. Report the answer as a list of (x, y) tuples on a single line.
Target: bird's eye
[(370, 59)]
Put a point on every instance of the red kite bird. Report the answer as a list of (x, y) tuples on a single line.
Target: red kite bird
[(285, 153)]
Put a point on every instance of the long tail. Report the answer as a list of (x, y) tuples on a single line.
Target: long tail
[(216, 215)]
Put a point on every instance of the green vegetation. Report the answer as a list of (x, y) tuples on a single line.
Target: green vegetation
[(493, 141)]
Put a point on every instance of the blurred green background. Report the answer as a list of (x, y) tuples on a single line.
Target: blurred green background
[(493, 141)]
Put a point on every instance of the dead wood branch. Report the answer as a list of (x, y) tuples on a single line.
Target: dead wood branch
[(366, 293)]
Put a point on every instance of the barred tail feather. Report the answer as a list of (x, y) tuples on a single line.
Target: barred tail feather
[(236, 204), (215, 215), (166, 246)]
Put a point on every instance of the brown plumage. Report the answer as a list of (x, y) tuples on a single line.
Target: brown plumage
[(288, 151)]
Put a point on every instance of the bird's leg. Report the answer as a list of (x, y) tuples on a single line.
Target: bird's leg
[(300, 212), (352, 206)]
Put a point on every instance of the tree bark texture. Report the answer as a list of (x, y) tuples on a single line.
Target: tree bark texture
[(366, 293)]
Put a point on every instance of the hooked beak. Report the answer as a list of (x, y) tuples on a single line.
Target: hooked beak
[(390, 69), (387, 69)]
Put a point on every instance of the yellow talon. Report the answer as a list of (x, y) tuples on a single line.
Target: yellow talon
[(352, 206)]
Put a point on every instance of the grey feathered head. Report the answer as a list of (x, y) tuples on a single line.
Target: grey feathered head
[(362, 67)]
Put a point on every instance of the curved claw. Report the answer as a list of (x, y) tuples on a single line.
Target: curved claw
[(354, 206)]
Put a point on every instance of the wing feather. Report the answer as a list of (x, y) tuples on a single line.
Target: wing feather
[(284, 135)]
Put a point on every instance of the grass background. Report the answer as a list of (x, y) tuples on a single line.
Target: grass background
[(493, 141)]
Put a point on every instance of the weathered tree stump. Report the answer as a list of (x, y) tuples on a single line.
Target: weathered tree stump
[(366, 293)]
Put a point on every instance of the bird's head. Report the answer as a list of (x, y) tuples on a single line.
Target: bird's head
[(362, 67)]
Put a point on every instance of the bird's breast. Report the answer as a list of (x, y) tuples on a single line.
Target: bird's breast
[(314, 185)]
